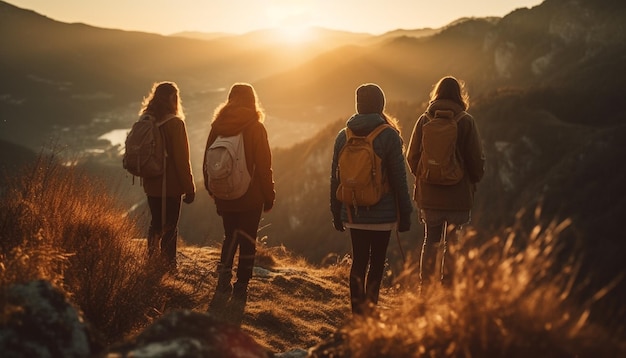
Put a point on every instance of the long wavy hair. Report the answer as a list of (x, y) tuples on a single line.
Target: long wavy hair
[(241, 95), (164, 98), (452, 89)]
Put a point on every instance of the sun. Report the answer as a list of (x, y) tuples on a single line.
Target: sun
[(295, 34), (292, 19)]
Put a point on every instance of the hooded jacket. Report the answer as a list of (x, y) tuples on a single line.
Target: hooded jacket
[(388, 146), (460, 196), (260, 195), (179, 179)]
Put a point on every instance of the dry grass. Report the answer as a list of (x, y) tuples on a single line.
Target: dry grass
[(57, 224), (510, 297)]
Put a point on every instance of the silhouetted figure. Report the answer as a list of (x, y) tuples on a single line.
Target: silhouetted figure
[(444, 189), (164, 102), (370, 226), (241, 113)]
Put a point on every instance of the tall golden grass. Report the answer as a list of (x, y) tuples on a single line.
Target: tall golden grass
[(510, 296), (59, 224)]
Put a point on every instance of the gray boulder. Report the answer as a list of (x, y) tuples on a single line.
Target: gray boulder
[(40, 322), (188, 333)]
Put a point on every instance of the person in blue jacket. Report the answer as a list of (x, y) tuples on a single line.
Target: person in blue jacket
[(370, 227)]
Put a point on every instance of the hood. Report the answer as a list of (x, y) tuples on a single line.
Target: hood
[(233, 120), (443, 105), (363, 124)]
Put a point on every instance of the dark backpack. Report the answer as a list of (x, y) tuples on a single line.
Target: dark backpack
[(359, 170), (144, 154), (226, 169), (438, 162)]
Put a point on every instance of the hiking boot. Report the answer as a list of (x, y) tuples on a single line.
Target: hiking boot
[(240, 290), (171, 265), (223, 281), (224, 287)]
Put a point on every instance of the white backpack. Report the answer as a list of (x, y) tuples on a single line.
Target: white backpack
[(226, 169)]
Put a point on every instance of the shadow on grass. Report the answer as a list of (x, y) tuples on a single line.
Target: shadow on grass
[(227, 308)]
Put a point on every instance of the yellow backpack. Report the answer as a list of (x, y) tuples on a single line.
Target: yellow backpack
[(361, 181)]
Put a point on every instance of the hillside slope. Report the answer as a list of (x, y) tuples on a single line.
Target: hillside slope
[(295, 307), (291, 304)]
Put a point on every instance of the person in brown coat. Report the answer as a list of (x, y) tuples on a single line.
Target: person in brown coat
[(444, 209), (164, 101), (241, 113)]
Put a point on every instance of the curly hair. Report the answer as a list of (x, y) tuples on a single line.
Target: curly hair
[(241, 95), (163, 99)]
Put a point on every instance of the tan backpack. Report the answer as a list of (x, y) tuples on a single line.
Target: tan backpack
[(438, 162), (144, 153)]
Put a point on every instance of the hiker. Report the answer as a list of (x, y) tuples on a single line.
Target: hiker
[(241, 113), (370, 226), (444, 201), (164, 104)]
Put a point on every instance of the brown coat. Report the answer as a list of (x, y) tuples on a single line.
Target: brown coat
[(179, 179), (459, 196), (260, 194)]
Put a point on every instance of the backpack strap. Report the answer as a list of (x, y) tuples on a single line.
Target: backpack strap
[(349, 134), (456, 117), (165, 119), (370, 137), (460, 115), (161, 122), (373, 134)]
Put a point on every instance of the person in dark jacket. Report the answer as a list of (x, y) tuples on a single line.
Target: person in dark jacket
[(370, 227), (164, 101), (241, 113), (444, 209)]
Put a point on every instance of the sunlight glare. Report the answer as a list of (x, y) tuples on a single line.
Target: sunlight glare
[(295, 33), (292, 20)]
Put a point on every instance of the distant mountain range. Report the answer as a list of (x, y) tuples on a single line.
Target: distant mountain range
[(59, 74), (546, 86)]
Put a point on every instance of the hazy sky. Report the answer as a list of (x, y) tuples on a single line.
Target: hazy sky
[(239, 16)]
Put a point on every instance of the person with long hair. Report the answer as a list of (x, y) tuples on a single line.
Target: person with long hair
[(370, 226), (242, 113), (444, 209), (164, 105)]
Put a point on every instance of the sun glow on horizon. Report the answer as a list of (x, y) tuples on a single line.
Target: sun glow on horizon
[(172, 17), (292, 19), (295, 34)]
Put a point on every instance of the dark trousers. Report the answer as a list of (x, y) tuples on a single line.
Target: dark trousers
[(368, 248), (162, 238), (436, 263), (240, 231)]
